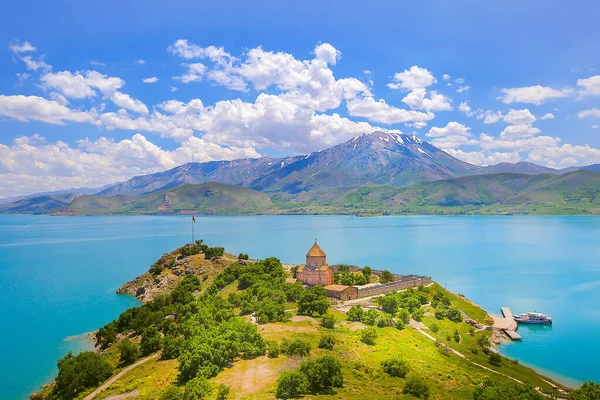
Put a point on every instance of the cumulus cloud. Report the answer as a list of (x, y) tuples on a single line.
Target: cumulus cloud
[(24, 47), (490, 117), (34, 65), (451, 136), (547, 116), (152, 79), (413, 78), (518, 117), (418, 100), (380, 111), (517, 131), (465, 109), (532, 94), (34, 108), (127, 102), (589, 86), (592, 113), (140, 61)]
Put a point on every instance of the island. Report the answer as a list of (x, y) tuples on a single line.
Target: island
[(218, 326)]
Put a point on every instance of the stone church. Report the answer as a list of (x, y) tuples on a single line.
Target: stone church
[(315, 271)]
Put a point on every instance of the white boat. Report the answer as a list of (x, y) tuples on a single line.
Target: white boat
[(533, 318)]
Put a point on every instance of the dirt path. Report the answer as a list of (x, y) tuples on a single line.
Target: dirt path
[(112, 380)]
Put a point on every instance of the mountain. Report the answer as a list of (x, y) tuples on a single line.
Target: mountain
[(208, 198), (519, 168), (38, 204), (385, 158), (76, 191)]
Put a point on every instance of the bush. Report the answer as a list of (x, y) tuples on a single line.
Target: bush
[(454, 315), (243, 256), (499, 390), (328, 321), (366, 271), (456, 336), (399, 324), (355, 313), (273, 349), (313, 301), (417, 387), (474, 350), (418, 314), (78, 373), (223, 391), (435, 328), (197, 389), (369, 318), (130, 352), (495, 359), (439, 314), (327, 341), (395, 367), (404, 315), (151, 340), (291, 384), (322, 374), (588, 391), (298, 347), (172, 393), (386, 276), (483, 341), (368, 336), (384, 320)]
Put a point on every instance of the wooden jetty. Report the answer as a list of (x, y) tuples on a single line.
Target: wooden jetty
[(507, 324)]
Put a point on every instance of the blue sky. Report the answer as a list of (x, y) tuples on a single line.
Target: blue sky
[(509, 81)]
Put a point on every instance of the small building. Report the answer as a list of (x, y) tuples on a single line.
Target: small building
[(315, 271), (342, 292)]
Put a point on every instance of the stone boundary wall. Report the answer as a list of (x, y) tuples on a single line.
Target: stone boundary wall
[(401, 282)]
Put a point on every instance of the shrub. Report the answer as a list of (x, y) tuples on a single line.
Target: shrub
[(369, 318), (327, 341), (291, 384), (223, 389), (440, 314), (395, 367), (78, 373), (499, 390), (368, 336), (273, 349), (404, 315), (355, 313), (472, 331), (130, 352), (399, 324), (456, 336), (322, 374), (418, 314), (588, 391), (386, 277), (483, 341), (197, 389), (172, 393), (454, 315), (448, 337), (243, 256), (298, 347), (416, 386), (328, 321), (151, 340), (435, 328), (495, 359), (474, 350), (384, 320)]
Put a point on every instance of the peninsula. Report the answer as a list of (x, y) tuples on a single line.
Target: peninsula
[(216, 326)]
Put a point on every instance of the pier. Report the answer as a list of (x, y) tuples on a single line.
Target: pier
[(506, 324)]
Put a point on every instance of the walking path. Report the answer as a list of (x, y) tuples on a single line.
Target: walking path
[(112, 380)]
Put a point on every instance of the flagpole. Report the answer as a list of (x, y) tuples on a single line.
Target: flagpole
[(193, 230)]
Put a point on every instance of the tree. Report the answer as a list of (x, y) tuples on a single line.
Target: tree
[(328, 321), (390, 303), (327, 341), (395, 367), (499, 390), (483, 341), (404, 315), (384, 320), (386, 276), (347, 279), (355, 313), (418, 314), (322, 374), (130, 352), (78, 373), (369, 318), (366, 271), (243, 256), (454, 315), (399, 325), (456, 336), (222, 392), (172, 393), (588, 391), (197, 389), (273, 349), (151, 340), (291, 384), (368, 336), (172, 347), (298, 347), (417, 387), (313, 301), (434, 328), (495, 359)]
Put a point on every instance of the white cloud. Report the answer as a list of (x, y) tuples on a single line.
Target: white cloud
[(460, 81), (490, 117), (413, 78), (34, 108), (22, 76), (518, 117), (451, 136), (34, 65), (417, 100), (97, 63), (463, 89), (380, 111), (518, 131), (594, 127), (140, 61), (547, 116), (465, 109), (152, 79), (24, 47), (589, 86), (446, 77), (532, 94), (127, 102), (81, 85), (194, 73), (593, 113)]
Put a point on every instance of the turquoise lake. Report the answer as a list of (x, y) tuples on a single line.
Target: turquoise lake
[(58, 275)]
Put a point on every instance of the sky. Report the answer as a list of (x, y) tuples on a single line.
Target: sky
[(93, 93)]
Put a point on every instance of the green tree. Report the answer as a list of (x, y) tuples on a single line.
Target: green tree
[(386, 276), (78, 373), (368, 336), (588, 391), (298, 347), (366, 271), (418, 314), (222, 392), (456, 336), (172, 393), (404, 315), (355, 313), (389, 303), (454, 315), (417, 387), (172, 347), (495, 359), (197, 389), (483, 341), (434, 328), (395, 367), (369, 318), (291, 384), (327, 341), (273, 349), (151, 340), (328, 321), (322, 374), (384, 320), (499, 390), (130, 352), (313, 301), (399, 324), (347, 279)]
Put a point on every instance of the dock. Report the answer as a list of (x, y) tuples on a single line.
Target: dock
[(507, 324)]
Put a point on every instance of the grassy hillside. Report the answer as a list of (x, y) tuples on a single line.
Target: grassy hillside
[(222, 322)]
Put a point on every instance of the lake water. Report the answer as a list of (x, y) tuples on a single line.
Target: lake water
[(58, 275)]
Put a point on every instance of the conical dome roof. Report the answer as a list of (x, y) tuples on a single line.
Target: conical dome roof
[(315, 251)]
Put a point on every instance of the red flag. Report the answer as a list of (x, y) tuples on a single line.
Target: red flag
[(193, 219)]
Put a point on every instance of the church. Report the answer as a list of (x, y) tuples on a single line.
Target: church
[(315, 271)]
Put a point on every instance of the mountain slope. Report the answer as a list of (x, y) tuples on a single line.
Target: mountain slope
[(38, 204), (208, 198), (518, 168)]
